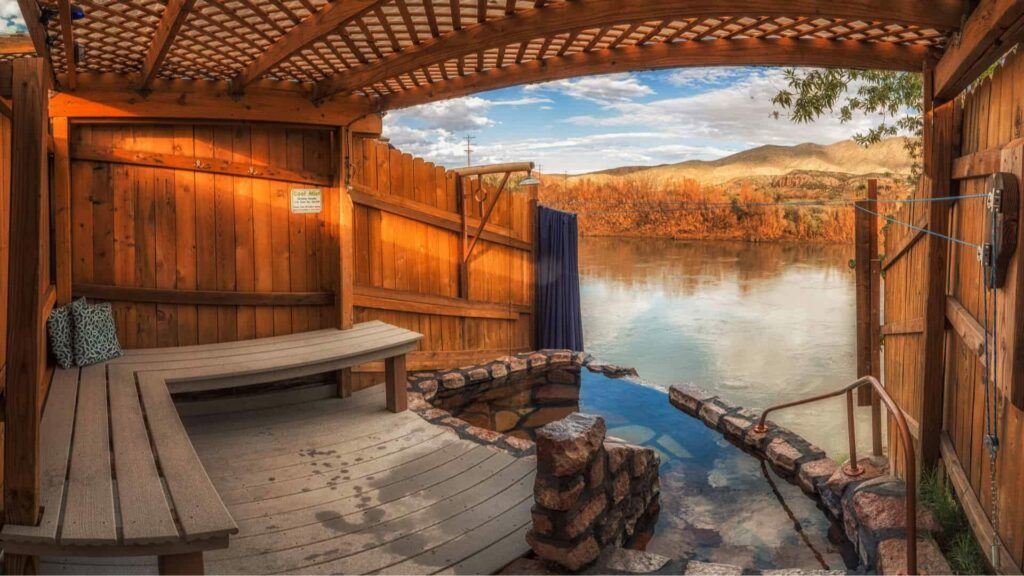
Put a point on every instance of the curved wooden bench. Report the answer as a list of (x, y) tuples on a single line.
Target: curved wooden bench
[(119, 474)]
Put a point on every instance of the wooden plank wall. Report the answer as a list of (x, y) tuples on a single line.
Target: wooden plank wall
[(138, 224), (991, 140), (5, 222), (993, 121), (407, 258)]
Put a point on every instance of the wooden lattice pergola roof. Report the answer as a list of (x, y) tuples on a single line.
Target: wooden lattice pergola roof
[(397, 53)]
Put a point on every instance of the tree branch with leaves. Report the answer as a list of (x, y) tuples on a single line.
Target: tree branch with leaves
[(895, 98)]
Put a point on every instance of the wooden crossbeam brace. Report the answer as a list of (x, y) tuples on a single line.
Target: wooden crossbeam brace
[(486, 217), (332, 17), (175, 14)]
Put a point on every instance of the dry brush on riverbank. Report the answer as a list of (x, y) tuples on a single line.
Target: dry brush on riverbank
[(748, 209)]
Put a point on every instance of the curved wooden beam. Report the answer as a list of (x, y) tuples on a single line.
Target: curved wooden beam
[(560, 18), (755, 52), (317, 25)]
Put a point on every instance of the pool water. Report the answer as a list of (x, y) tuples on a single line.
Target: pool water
[(718, 503)]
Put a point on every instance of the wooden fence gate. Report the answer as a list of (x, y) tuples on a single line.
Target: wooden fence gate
[(934, 309)]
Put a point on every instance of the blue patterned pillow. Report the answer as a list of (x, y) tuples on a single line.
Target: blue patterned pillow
[(58, 329), (95, 334)]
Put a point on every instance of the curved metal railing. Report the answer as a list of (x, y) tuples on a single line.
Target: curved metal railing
[(853, 468)]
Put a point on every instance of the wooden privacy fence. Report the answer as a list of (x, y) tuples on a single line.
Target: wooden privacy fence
[(407, 229), (934, 301)]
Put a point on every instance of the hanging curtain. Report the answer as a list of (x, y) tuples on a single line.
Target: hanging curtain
[(559, 323)]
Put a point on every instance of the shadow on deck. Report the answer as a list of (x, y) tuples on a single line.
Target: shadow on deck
[(344, 487)]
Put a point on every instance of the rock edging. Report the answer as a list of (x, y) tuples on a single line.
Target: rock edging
[(870, 507), (423, 387)]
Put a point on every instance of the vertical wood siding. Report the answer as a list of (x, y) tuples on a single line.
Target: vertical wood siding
[(406, 256), (140, 226)]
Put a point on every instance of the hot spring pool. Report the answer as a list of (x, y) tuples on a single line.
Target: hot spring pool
[(718, 503)]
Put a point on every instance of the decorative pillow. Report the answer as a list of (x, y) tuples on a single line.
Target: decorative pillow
[(58, 328), (95, 334)]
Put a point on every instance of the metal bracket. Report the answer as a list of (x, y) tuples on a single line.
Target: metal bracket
[(1004, 204)]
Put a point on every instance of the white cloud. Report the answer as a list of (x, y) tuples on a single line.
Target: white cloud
[(740, 112), (11, 21), (601, 89), (460, 114), (697, 77)]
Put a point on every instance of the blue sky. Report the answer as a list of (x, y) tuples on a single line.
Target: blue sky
[(592, 123)]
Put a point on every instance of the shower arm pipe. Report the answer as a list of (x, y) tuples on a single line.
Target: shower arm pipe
[(853, 468)]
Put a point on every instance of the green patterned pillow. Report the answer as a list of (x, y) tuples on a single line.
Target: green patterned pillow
[(95, 334), (58, 328)]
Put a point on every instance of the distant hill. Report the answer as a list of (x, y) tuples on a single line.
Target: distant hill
[(888, 157)]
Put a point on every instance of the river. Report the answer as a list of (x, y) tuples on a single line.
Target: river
[(758, 324)]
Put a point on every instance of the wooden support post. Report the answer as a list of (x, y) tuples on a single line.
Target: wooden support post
[(868, 308), (62, 208), (875, 321), (533, 220), (394, 382), (25, 337), (460, 192), (346, 252), (941, 146), (188, 563)]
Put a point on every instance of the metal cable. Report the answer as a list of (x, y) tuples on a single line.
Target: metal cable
[(919, 229)]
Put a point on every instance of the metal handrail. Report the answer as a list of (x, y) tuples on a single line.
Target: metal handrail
[(853, 468)]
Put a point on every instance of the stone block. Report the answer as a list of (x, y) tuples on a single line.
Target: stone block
[(643, 459), (478, 375), (499, 370), (892, 557), (596, 474), (711, 413), (521, 444), (573, 557), (517, 364), (483, 434), (688, 398), (783, 455), (814, 473), (736, 425), (557, 496), (542, 522), (560, 356), (618, 454), (886, 510), (453, 381), (583, 520), (566, 446), (620, 486), (833, 489)]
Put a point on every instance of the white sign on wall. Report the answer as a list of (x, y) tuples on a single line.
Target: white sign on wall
[(307, 201)]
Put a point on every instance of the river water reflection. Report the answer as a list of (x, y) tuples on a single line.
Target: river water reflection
[(757, 323)]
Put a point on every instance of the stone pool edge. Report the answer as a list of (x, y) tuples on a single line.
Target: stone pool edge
[(870, 507), (423, 386)]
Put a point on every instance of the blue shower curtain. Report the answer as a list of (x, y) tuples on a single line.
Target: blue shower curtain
[(559, 324)]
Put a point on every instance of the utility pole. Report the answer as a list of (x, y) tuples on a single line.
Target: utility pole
[(469, 150)]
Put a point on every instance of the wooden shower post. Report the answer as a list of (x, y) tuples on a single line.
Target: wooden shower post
[(868, 307), (346, 249)]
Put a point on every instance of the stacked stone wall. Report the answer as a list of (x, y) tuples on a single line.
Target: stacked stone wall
[(590, 493)]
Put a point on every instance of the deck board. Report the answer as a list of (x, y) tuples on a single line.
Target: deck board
[(342, 486)]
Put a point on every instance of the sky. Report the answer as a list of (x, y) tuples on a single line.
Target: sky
[(597, 122)]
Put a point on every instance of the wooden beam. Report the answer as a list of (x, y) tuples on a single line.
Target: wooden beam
[(402, 301), (560, 18), (494, 169), (108, 96), (346, 251), (942, 144), (62, 208), (175, 14), (92, 153), (992, 29), (68, 39), (19, 44), (36, 31), (334, 16), (202, 297), (26, 340), (750, 51)]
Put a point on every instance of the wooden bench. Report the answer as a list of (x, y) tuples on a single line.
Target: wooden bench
[(119, 474)]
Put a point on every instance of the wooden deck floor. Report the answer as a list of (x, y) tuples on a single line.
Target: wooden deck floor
[(344, 487)]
